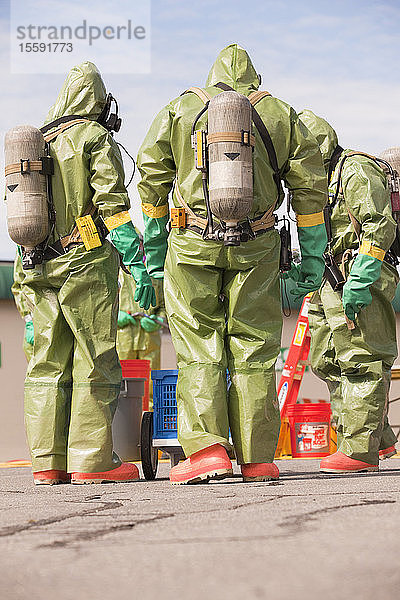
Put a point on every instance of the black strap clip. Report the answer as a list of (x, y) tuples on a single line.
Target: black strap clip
[(25, 166)]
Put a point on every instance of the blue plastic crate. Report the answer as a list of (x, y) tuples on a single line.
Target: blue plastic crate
[(164, 404)]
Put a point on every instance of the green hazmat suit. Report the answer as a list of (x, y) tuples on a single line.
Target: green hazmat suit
[(74, 375), (22, 306), (223, 303), (133, 342), (356, 363)]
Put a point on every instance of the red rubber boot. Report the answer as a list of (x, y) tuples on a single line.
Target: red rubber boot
[(340, 463), (123, 474), (51, 477), (210, 463), (387, 453), (259, 472)]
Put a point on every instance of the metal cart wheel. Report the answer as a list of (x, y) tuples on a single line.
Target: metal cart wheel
[(149, 454)]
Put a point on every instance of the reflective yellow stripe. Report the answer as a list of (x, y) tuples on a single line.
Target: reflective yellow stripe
[(310, 220), (370, 250), (155, 212), (116, 220)]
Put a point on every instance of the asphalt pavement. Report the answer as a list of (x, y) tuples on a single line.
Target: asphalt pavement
[(308, 536)]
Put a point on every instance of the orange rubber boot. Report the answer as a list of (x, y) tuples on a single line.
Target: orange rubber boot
[(123, 474), (341, 463), (259, 471), (387, 453), (210, 463), (51, 477)]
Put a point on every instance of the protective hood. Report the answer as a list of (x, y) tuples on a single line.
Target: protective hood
[(234, 67), (83, 93), (323, 132)]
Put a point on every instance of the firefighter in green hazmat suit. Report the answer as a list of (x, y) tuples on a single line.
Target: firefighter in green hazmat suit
[(74, 375), (21, 303), (356, 362), (223, 303), (139, 337)]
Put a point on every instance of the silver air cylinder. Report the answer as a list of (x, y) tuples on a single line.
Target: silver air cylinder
[(230, 162), (26, 189), (392, 156)]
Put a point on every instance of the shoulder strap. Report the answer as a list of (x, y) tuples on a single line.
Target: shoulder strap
[(49, 137), (200, 93), (334, 161), (269, 146), (356, 225), (255, 97), (194, 219), (355, 153), (224, 86), (62, 120)]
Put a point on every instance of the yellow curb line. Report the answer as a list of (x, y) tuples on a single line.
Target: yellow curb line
[(13, 464)]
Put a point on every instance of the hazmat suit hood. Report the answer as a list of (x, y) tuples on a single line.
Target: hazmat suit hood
[(234, 67), (83, 93), (323, 132)]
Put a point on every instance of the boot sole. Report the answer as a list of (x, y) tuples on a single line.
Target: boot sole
[(49, 482), (347, 471), (385, 456), (89, 481), (259, 478), (205, 477)]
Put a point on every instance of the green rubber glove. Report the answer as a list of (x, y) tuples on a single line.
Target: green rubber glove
[(152, 323), (125, 319), (127, 242), (155, 244), (293, 274), (308, 275), (356, 295), (29, 332)]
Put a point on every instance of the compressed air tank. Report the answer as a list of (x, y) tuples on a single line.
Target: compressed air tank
[(230, 162), (392, 156), (26, 186)]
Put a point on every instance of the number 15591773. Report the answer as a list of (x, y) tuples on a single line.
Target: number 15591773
[(46, 47)]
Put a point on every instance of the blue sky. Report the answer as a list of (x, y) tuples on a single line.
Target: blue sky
[(338, 58)]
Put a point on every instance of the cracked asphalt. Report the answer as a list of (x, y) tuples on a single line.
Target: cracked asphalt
[(308, 536)]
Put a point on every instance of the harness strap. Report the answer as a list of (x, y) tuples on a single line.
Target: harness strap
[(191, 217), (356, 226), (60, 121), (200, 93), (334, 161), (25, 166), (205, 97), (37, 165), (244, 138), (52, 136), (266, 221), (255, 97)]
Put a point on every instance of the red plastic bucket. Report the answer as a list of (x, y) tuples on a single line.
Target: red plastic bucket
[(138, 368), (309, 429)]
